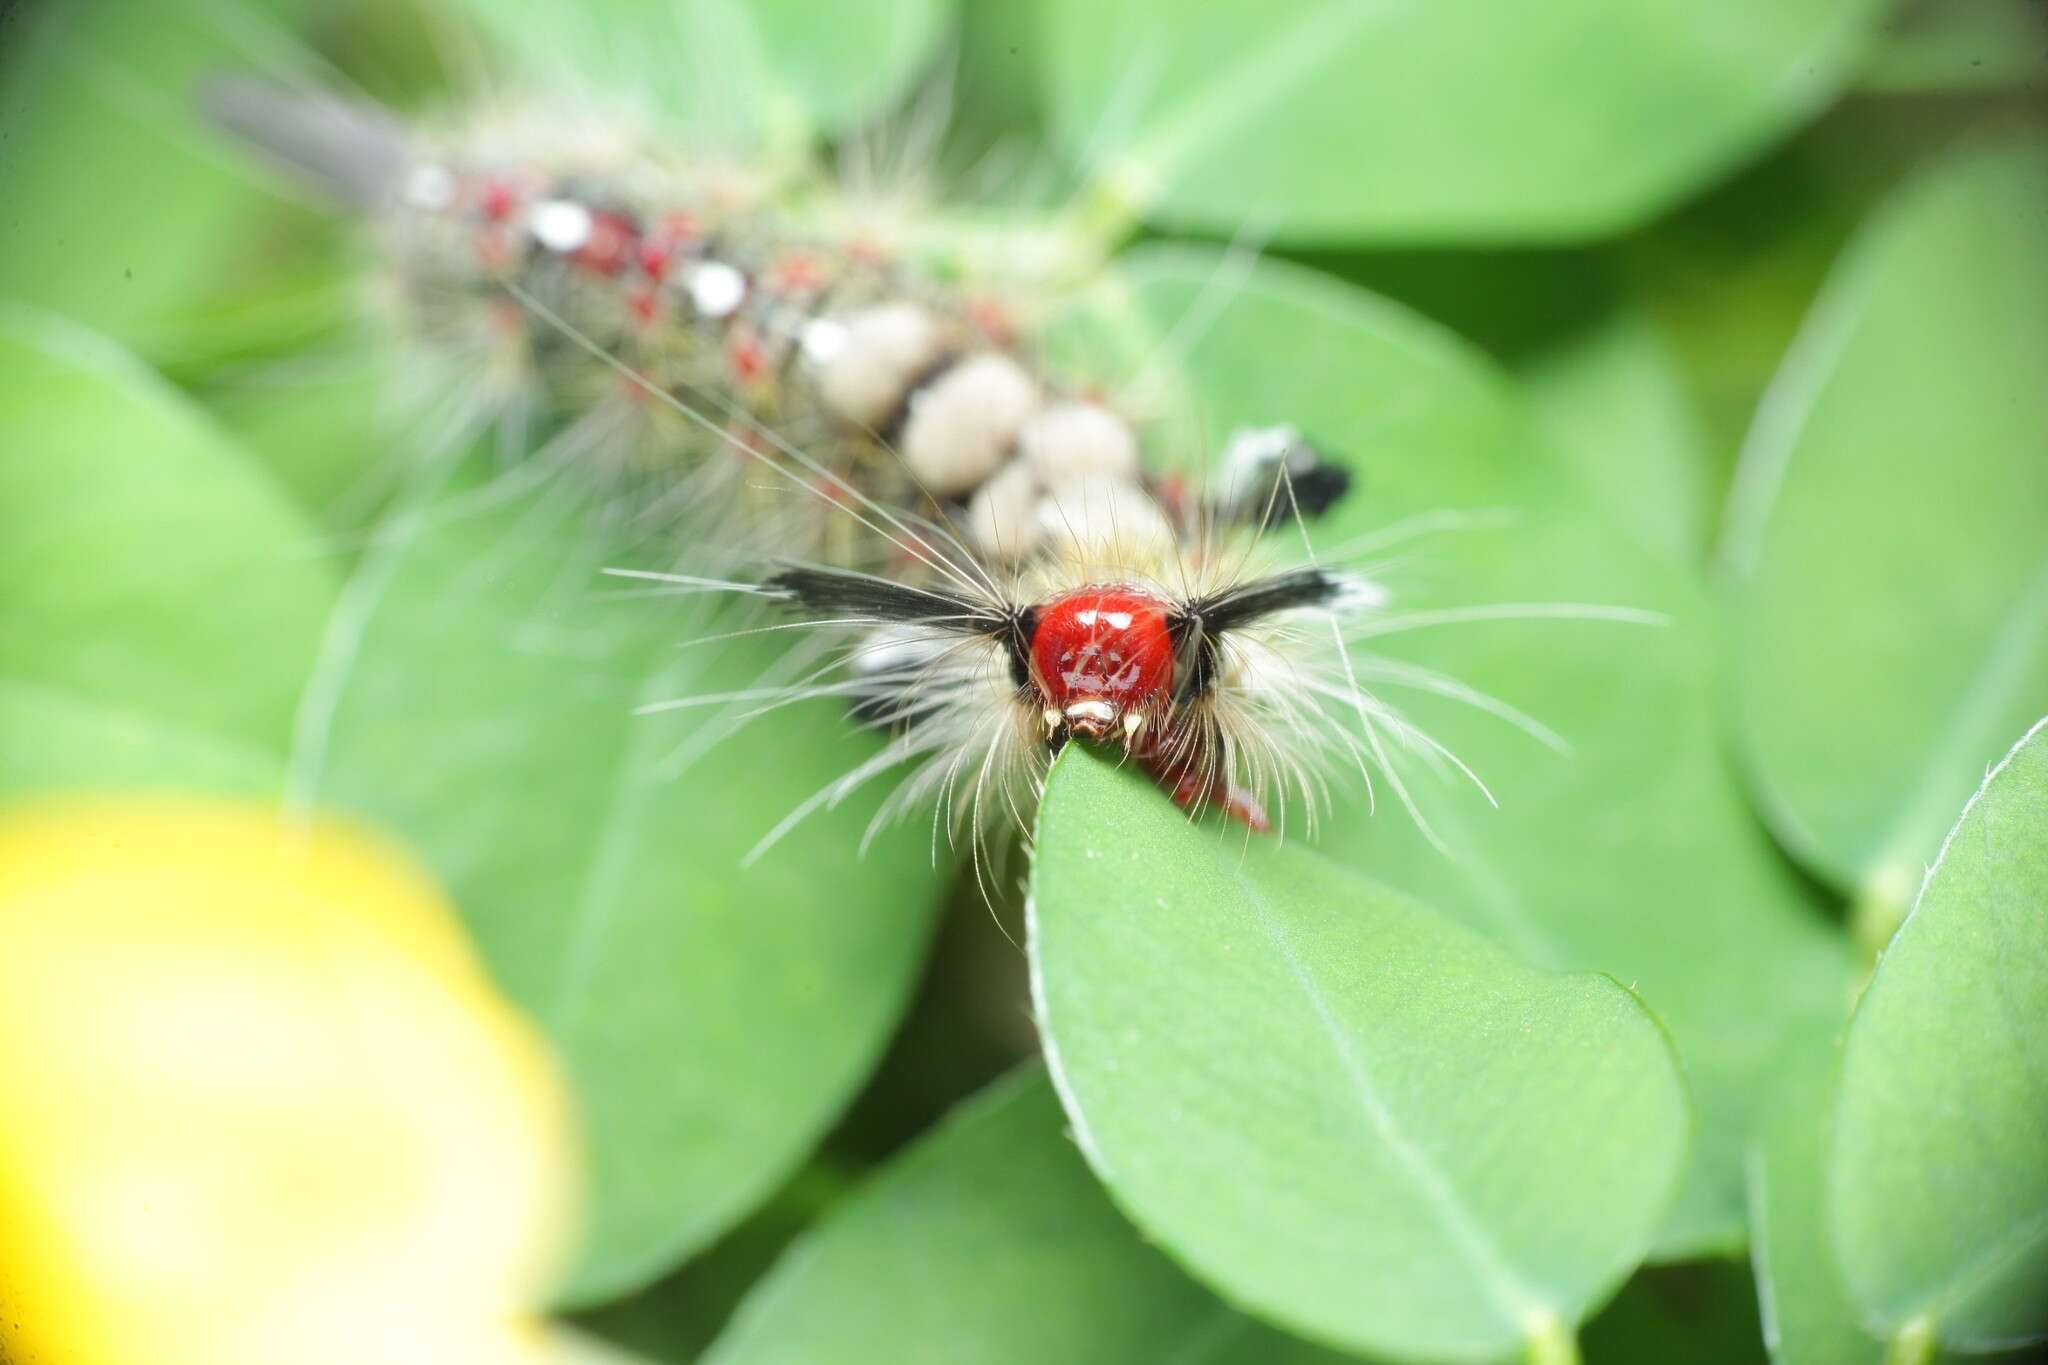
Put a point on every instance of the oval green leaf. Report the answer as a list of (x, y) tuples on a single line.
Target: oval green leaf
[(848, 61), (1611, 401), (1939, 46), (1434, 121), (1629, 853), (1884, 539), (160, 601), (1938, 1184), (125, 211), (987, 1243), (316, 433), (1808, 1318), (731, 70), (1343, 1111), (477, 695)]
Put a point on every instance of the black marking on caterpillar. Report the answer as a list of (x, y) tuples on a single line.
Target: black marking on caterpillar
[(884, 602)]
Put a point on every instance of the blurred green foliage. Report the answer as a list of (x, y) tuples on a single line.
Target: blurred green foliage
[(1737, 312)]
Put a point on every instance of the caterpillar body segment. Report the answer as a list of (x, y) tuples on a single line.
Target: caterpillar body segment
[(987, 535)]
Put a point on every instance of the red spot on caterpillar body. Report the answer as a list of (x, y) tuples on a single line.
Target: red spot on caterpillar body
[(496, 199), (798, 273), (613, 237), (749, 360)]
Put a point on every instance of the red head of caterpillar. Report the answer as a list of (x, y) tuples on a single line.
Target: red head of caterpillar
[(1102, 660)]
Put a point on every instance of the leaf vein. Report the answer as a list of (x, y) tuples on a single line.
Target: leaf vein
[(1519, 1302)]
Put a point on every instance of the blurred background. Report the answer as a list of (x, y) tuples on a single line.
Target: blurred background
[(1766, 281)]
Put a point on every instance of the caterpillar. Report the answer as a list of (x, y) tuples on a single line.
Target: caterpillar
[(1003, 561)]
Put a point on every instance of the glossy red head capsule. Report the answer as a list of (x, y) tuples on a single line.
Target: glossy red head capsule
[(1102, 659)]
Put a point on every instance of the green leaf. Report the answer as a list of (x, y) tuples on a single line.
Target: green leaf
[(51, 739), (850, 58), (124, 210), (731, 70), (1949, 45), (1434, 121), (1889, 579), (984, 1244), (160, 601), (1808, 1317), (1346, 1112), (1938, 1184), (324, 431), (477, 694), (678, 1316), (1612, 403), (1630, 853)]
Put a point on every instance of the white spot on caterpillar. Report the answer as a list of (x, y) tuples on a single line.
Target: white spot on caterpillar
[(1096, 514), (961, 427), (560, 225), (1073, 441), (898, 650), (1253, 446), (429, 187), (1356, 592), (883, 350), (1001, 516), (716, 289), (822, 341), (1251, 459)]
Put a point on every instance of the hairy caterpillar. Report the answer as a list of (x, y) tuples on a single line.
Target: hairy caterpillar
[(1009, 568)]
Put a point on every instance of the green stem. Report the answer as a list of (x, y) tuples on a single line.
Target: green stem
[(1104, 217), (1548, 1341), (1913, 1344), (1875, 915)]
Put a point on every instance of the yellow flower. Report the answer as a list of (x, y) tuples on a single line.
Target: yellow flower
[(259, 1104)]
